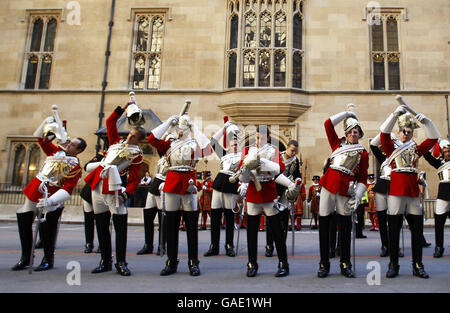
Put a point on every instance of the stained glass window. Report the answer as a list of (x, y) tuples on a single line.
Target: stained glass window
[(232, 70), (139, 73), (250, 31), (280, 69), (392, 34), (249, 69), (154, 72), (280, 30), (157, 34), (50, 35), (142, 34), (19, 165), (46, 66), (264, 69), (265, 30), (31, 72)]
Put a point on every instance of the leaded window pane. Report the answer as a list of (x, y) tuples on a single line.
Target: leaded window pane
[(139, 73), (249, 69), (392, 34), (264, 69), (280, 30), (377, 37), (265, 30), (280, 69), (34, 156), (50, 35), (46, 67), (232, 70), (297, 71), (36, 35), (394, 73), (19, 165), (157, 34), (378, 73), (250, 31), (142, 34), (297, 32), (154, 72), (234, 32), (31, 72)]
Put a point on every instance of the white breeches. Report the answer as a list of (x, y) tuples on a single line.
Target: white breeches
[(404, 205), (222, 200), (175, 202), (104, 202), (153, 202), (382, 201), (330, 202), (87, 207), (259, 208), (442, 206)]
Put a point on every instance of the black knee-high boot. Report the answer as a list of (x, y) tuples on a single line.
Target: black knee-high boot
[(216, 216), (252, 243), (382, 226), (89, 225), (102, 222), (416, 227), (284, 218), (333, 235), (280, 244), (162, 233), (173, 223), (229, 232), (439, 223), (149, 225), (394, 226), (24, 224), (190, 220), (345, 231), (269, 241), (49, 232), (120, 226)]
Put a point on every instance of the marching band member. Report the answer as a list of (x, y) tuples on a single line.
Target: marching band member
[(442, 164), (179, 189), (314, 199), (61, 170), (108, 195), (349, 161), (262, 201), (224, 195), (292, 171), (404, 190)]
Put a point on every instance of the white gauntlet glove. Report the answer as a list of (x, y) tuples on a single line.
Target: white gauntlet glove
[(159, 131), (430, 128), (242, 189), (52, 202), (337, 118)]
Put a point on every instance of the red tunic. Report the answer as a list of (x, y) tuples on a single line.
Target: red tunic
[(31, 191), (301, 196), (372, 203), (206, 195), (268, 191), (177, 181), (404, 184), (336, 181), (133, 170), (314, 198)]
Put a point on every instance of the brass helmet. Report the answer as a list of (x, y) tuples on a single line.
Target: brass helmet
[(407, 120), (443, 144), (184, 122), (134, 113), (51, 131), (352, 122)]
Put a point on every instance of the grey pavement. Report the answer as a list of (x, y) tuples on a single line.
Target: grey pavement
[(219, 274)]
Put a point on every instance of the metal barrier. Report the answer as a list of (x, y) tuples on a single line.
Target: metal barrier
[(11, 194)]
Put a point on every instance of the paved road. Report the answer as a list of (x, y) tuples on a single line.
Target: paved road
[(220, 274)]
